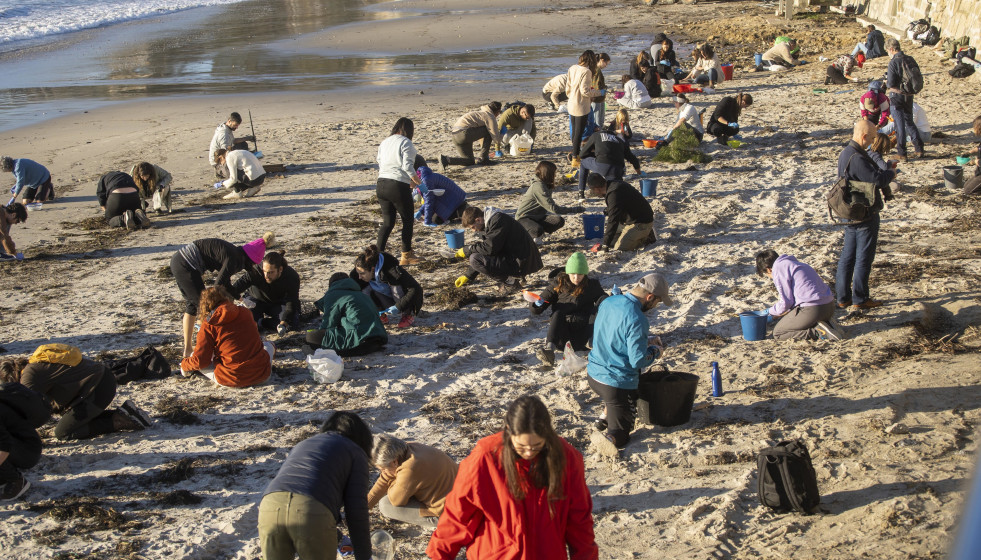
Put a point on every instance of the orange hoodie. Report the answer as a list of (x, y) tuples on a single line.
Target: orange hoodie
[(229, 339)]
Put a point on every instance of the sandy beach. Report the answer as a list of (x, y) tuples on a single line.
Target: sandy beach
[(189, 486)]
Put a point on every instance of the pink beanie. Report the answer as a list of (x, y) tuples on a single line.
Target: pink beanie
[(255, 250)]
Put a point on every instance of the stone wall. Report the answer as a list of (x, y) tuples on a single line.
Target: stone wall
[(954, 18)]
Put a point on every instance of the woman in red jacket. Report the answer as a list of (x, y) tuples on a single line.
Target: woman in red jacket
[(229, 349), (521, 494)]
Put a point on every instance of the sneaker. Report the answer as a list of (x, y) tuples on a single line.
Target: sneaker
[(825, 331), (604, 444), (546, 355), (233, 194), (129, 220), (601, 425), (406, 320), (867, 304), (130, 408), (122, 421), (141, 219), (252, 191), (486, 161), (14, 489), (443, 162), (383, 318)]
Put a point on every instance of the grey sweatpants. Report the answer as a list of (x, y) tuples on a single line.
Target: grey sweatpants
[(409, 513), (799, 321)]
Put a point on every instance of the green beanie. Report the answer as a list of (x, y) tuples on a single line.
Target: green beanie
[(577, 264)]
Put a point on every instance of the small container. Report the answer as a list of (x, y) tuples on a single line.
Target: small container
[(455, 238), (650, 143), (648, 187), (963, 160), (758, 59), (818, 90), (716, 380), (34, 206)]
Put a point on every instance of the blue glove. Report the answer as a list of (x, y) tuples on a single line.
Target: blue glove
[(769, 318), (666, 63), (19, 256), (423, 189), (602, 92), (393, 310), (218, 185), (13, 190), (539, 303), (642, 173), (615, 291), (733, 125), (418, 214), (498, 153)]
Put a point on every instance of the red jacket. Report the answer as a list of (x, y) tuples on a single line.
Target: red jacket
[(482, 515), (229, 339)]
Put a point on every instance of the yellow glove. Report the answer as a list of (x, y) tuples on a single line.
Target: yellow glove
[(461, 281), (461, 254)]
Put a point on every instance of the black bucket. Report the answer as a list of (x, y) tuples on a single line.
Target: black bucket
[(954, 177), (666, 397)]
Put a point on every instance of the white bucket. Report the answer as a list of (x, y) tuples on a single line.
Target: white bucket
[(521, 145)]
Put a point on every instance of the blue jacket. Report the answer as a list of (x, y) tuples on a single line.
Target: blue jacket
[(619, 343), (29, 174), (875, 43), (441, 205)]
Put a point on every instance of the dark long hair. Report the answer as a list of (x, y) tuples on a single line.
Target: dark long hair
[(368, 258), (566, 285), (528, 415), (351, 426), (546, 172), (404, 127)]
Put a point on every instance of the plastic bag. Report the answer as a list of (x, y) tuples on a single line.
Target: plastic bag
[(571, 362), (325, 366), (382, 545)]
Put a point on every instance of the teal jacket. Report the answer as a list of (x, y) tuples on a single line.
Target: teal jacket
[(350, 317), (620, 348)]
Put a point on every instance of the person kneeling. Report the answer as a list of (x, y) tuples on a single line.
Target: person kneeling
[(389, 285), (350, 326), (229, 349), (504, 250), (414, 481), (806, 304), (629, 217), (245, 173), (574, 298), (272, 292)]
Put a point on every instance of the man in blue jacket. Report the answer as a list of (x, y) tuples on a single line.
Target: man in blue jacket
[(901, 101), (873, 47), (621, 349)]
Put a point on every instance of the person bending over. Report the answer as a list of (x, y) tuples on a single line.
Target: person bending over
[(391, 287), (629, 216), (413, 483), (473, 126), (724, 122), (516, 120), (272, 292), (554, 90), (504, 250), (606, 154), (443, 201), (22, 412), (781, 56), (688, 117), (11, 214), (245, 173), (840, 71), (31, 178), (224, 139), (537, 211), (805, 306), (153, 183), (574, 298), (635, 95), (119, 198), (350, 326), (874, 105)]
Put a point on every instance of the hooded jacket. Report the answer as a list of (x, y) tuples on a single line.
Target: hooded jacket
[(284, 291), (442, 205), (624, 205), (482, 514), (537, 202), (112, 181), (22, 411), (797, 285), (511, 118), (229, 340), (610, 149), (427, 475), (503, 236), (482, 117), (350, 317)]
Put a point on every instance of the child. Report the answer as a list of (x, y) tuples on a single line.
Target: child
[(621, 125), (875, 105), (574, 298)]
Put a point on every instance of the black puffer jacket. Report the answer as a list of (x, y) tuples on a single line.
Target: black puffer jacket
[(585, 303)]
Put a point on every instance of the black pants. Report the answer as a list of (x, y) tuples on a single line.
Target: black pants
[(25, 452), (455, 216), (315, 339), (578, 127), (383, 301), (464, 140), (221, 171), (498, 268), (836, 76), (189, 282), (550, 223), (394, 197), (118, 203), (720, 131), (576, 328), (269, 315), (40, 193), (548, 98), (621, 410), (89, 417), (244, 183)]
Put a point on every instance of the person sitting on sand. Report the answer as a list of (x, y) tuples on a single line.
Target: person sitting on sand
[(919, 121), (521, 494), (351, 326), (443, 201), (504, 249), (973, 185), (874, 45), (573, 297), (554, 90), (31, 178), (119, 198), (229, 349), (635, 95), (272, 291), (707, 69), (245, 173), (516, 120), (473, 126), (606, 154), (224, 139), (874, 104), (413, 483), (723, 123), (642, 69), (629, 217), (780, 56), (620, 125), (840, 71), (688, 117), (537, 211), (13, 213), (621, 350), (301, 507), (22, 412), (194, 259), (153, 183), (79, 388), (805, 306), (665, 60), (390, 286)]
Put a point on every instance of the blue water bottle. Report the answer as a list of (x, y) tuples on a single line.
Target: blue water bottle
[(716, 380)]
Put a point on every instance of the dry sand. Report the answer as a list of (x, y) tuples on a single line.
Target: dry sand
[(188, 488)]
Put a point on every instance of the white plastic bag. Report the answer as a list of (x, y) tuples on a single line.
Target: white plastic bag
[(667, 87), (325, 366), (571, 363), (382, 545)]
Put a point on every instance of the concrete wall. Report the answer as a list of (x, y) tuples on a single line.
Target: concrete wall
[(954, 18)]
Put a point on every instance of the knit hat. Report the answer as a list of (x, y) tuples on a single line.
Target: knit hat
[(577, 264), (255, 250)]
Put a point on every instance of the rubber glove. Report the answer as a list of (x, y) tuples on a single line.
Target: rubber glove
[(616, 291), (733, 125), (460, 253), (769, 318), (461, 281), (423, 189), (666, 63), (498, 153), (19, 256), (393, 310), (13, 190), (432, 225), (602, 92), (641, 173), (12, 199), (282, 329), (218, 185), (539, 303), (418, 214)]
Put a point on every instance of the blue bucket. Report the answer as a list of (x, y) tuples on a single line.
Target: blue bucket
[(592, 225), (758, 58), (754, 325), (648, 187), (454, 238)]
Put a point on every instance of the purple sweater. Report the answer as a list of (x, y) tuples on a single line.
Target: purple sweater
[(798, 285)]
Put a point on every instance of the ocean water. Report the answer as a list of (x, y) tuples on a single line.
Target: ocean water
[(37, 20)]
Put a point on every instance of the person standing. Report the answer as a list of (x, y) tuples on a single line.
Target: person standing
[(224, 139), (413, 483), (245, 173), (621, 349), (858, 251), (396, 177), (629, 216), (805, 306), (504, 250), (598, 101), (473, 126), (723, 123), (301, 507), (521, 494), (901, 99), (580, 91), (32, 179), (537, 211), (605, 153)]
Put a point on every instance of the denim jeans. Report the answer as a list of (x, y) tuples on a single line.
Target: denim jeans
[(901, 107), (860, 48), (855, 263)]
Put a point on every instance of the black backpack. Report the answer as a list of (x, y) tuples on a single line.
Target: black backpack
[(786, 478), (912, 78), (149, 364), (961, 70)]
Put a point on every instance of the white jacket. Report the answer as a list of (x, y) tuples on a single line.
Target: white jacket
[(396, 159), (222, 140), (244, 160), (635, 95)]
